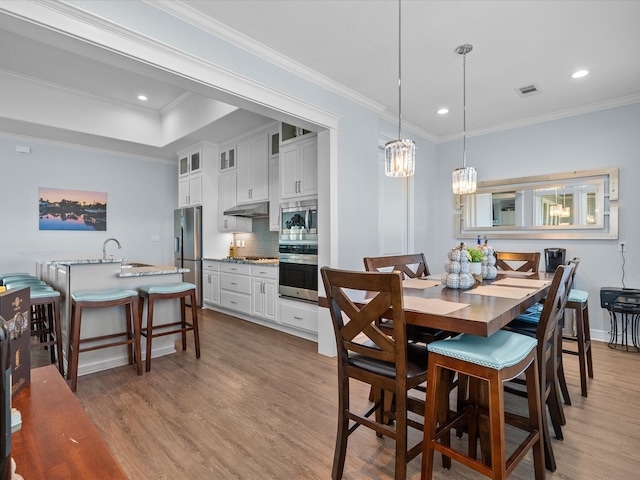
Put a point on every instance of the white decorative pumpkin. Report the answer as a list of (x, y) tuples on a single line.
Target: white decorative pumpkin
[(457, 269), (489, 270)]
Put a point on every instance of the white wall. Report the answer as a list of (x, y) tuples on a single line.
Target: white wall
[(607, 138), (141, 197)]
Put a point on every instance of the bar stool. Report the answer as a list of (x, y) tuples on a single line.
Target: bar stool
[(494, 360), (45, 316), (578, 301), (180, 290), (104, 299)]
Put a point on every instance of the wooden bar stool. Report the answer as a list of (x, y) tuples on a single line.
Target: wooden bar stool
[(170, 291), (104, 299), (578, 301), (45, 316), (490, 360), (45, 322)]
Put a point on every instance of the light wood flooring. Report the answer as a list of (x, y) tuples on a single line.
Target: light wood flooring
[(260, 404)]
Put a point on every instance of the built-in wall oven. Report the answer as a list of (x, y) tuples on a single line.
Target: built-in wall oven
[(299, 271), (298, 250)]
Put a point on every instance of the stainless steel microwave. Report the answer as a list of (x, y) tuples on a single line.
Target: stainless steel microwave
[(299, 223)]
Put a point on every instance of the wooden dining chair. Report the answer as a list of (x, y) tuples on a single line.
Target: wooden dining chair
[(518, 261), (412, 265), (545, 330), (389, 364)]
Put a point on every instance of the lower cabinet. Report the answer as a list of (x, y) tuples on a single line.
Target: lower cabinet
[(264, 298), (299, 315), (211, 283), (235, 287)]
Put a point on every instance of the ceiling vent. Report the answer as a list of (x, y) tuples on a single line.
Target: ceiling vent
[(528, 90)]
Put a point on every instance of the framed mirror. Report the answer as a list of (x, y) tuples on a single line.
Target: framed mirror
[(562, 206)]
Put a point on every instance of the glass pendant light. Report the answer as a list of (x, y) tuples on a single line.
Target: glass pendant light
[(400, 155), (555, 210), (464, 179)]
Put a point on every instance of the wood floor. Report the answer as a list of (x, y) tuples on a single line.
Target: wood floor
[(260, 404)]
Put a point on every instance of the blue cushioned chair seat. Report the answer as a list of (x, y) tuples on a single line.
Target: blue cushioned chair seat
[(168, 288), (103, 295), (579, 296), (44, 293), (500, 350)]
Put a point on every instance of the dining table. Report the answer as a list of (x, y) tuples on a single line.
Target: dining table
[(481, 310)]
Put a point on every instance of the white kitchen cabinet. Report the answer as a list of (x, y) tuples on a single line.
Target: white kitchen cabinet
[(227, 200), (300, 315), (264, 298), (190, 177), (253, 170), (211, 282), (235, 287), (299, 169), (227, 158)]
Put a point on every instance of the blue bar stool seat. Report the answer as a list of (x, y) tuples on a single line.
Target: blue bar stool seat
[(492, 361), (153, 293), (104, 299)]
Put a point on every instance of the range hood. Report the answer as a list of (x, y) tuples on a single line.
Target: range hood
[(252, 210)]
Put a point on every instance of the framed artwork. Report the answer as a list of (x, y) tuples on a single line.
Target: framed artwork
[(62, 209)]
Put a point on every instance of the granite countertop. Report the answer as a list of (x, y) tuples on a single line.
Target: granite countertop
[(150, 270), (270, 262)]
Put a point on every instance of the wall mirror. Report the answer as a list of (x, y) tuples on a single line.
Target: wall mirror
[(580, 204)]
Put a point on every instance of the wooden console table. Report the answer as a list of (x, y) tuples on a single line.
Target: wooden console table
[(57, 439)]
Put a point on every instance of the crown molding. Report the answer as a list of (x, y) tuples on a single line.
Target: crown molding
[(188, 14)]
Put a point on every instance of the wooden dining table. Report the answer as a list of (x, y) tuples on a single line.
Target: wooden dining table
[(480, 314)]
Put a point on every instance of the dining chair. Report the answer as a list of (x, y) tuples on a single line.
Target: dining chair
[(518, 261), (389, 364), (412, 265), (545, 330)]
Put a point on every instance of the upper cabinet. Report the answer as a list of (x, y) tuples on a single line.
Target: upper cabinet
[(227, 200), (299, 168), (190, 177), (227, 159), (253, 169)]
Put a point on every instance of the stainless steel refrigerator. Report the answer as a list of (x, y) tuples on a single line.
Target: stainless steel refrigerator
[(187, 226)]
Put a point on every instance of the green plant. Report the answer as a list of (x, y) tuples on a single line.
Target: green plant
[(475, 254)]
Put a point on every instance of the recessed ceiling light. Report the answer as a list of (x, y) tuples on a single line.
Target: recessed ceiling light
[(142, 98), (580, 74), (443, 111)]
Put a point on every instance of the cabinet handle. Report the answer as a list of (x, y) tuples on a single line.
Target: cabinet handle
[(233, 302), (298, 318), (208, 278), (233, 283)]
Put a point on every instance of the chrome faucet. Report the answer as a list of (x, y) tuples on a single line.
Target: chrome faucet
[(104, 246)]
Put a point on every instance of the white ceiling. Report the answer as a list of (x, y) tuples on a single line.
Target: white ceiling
[(353, 43)]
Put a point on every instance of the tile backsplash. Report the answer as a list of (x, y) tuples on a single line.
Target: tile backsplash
[(261, 242)]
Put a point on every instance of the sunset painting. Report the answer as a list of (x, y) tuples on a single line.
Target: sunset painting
[(62, 209)]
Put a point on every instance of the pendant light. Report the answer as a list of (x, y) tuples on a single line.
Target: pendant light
[(400, 155), (464, 179), (565, 212), (556, 209)]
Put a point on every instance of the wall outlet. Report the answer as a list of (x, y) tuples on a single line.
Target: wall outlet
[(622, 246)]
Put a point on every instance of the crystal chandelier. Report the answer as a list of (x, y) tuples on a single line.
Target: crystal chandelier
[(464, 179), (400, 155)]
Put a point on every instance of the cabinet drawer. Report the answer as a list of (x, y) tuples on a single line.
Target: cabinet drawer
[(299, 315), (210, 266), (235, 283), (264, 271), (236, 301), (240, 268)]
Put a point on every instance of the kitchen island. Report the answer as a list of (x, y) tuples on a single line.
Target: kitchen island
[(67, 275)]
